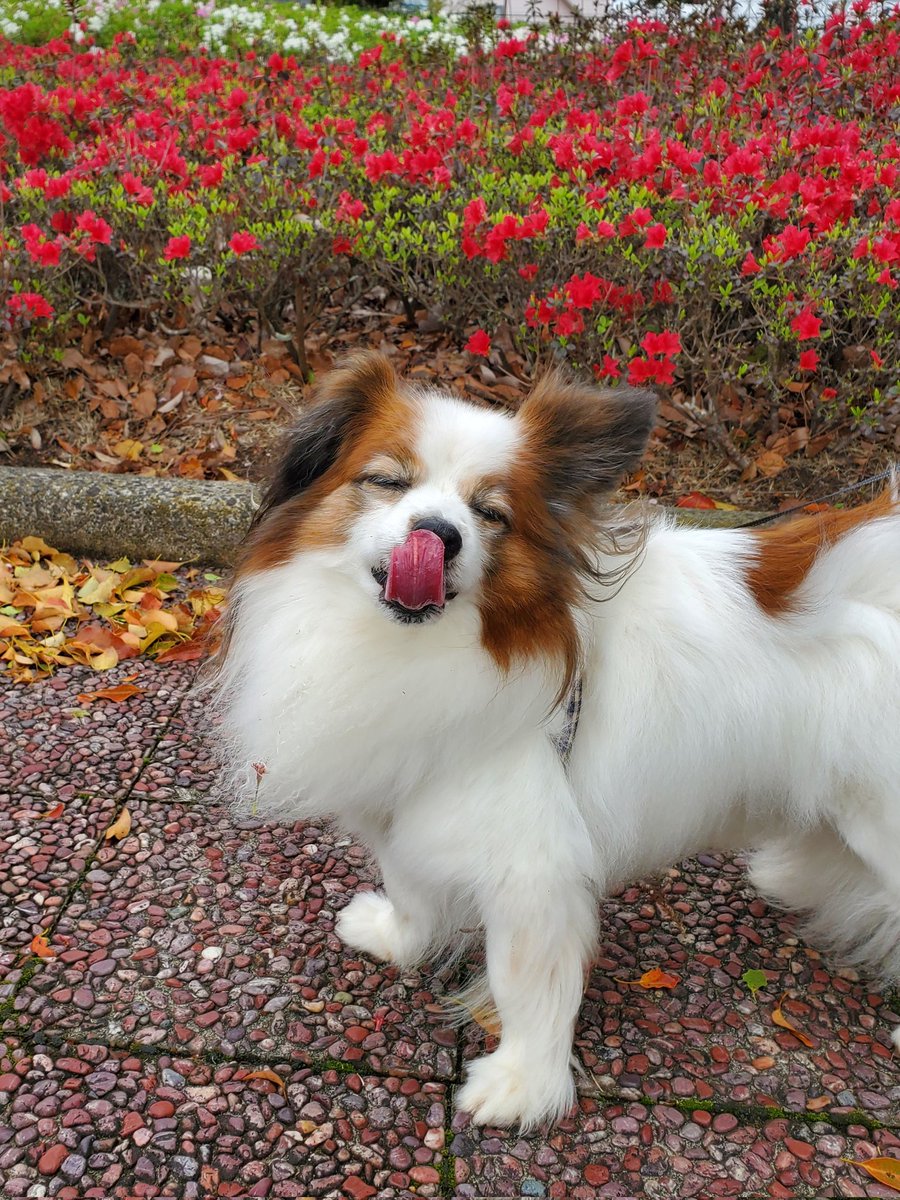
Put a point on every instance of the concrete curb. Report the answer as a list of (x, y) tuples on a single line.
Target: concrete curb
[(107, 516), (140, 516)]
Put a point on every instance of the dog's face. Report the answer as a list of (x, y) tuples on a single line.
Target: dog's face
[(427, 500), (441, 470)]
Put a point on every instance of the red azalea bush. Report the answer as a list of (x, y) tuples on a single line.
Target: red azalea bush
[(695, 208)]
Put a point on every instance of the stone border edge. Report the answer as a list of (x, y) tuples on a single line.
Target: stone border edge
[(106, 516)]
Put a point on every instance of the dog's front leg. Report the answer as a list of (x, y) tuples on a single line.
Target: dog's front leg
[(540, 917), (398, 924)]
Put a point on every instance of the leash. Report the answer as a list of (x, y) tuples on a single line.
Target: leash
[(844, 491)]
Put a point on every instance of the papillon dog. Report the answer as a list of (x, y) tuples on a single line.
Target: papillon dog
[(430, 584)]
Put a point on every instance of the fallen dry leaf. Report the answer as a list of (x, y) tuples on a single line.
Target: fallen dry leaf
[(122, 691), (186, 652), (487, 1017), (654, 978), (884, 1170), (271, 1076), (52, 813), (57, 612), (695, 500), (770, 464), (41, 947), (779, 1019), (121, 827)]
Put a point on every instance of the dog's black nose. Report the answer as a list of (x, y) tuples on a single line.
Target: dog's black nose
[(449, 535)]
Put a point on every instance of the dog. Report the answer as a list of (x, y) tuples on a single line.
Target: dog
[(429, 583)]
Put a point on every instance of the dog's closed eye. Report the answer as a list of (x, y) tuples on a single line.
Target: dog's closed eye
[(388, 483)]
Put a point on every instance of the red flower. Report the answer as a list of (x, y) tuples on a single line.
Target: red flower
[(656, 237), (368, 57), (750, 266), (585, 290), (177, 247), (528, 271), (95, 227), (641, 370), (792, 242), (211, 176), (243, 243), (605, 229), (479, 343), (609, 368), (349, 209), (569, 322), (34, 304), (667, 343), (809, 360), (45, 253), (806, 324), (474, 213)]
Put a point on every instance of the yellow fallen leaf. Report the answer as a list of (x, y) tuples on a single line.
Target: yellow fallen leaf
[(884, 1170), (121, 827), (10, 627), (105, 660), (779, 1019), (271, 1077), (36, 545), (128, 448)]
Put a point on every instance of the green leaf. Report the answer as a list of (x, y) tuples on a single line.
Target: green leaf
[(754, 980)]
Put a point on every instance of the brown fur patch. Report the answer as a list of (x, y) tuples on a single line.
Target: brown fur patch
[(785, 555), (358, 413), (578, 442)]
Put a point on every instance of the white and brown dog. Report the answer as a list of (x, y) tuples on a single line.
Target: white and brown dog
[(423, 585)]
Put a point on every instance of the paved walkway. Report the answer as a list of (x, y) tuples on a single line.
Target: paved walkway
[(199, 950)]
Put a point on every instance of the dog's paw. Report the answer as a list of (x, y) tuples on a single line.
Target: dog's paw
[(502, 1089), (369, 923)]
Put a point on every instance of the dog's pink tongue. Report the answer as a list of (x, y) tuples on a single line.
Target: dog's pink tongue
[(416, 575)]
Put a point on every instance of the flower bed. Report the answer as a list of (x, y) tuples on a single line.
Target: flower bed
[(710, 212)]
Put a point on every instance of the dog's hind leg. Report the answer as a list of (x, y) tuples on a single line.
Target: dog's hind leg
[(847, 889)]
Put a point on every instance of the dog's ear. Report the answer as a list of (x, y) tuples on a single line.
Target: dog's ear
[(583, 439), (338, 406)]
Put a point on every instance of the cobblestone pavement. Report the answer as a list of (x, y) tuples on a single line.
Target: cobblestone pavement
[(201, 1032)]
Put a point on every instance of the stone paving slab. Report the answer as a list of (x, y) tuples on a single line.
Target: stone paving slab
[(659, 1152), (197, 933), (183, 765), (83, 1121), (41, 857), (708, 1039), (56, 745)]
